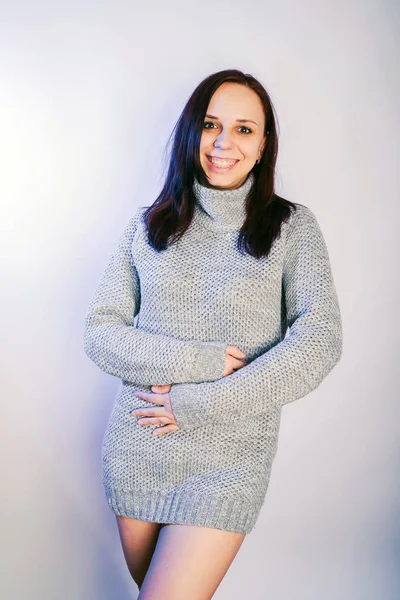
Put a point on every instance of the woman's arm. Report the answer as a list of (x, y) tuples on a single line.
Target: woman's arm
[(112, 341), (296, 365)]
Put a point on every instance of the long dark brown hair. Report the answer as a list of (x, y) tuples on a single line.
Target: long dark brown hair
[(170, 215)]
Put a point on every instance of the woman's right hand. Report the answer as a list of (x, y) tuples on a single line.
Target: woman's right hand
[(233, 362)]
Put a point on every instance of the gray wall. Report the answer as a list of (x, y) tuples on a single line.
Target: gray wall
[(89, 94)]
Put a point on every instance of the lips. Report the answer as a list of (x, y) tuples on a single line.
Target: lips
[(231, 161), (223, 167)]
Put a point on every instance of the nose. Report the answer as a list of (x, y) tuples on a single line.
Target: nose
[(223, 140)]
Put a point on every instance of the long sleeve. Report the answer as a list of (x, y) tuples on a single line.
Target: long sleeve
[(115, 345), (297, 364)]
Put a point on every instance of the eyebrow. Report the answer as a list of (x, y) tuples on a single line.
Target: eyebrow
[(238, 120)]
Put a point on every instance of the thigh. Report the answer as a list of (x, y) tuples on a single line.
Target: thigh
[(189, 562), (138, 539)]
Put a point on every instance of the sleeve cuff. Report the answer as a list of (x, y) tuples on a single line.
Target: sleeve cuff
[(184, 405), (210, 360)]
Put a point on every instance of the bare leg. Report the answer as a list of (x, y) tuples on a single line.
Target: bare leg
[(189, 562), (138, 539)]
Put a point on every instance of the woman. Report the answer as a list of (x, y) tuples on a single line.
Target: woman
[(238, 316)]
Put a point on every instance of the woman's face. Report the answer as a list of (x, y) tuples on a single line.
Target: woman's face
[(233, 129)]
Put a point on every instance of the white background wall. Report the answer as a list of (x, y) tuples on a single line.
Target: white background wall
[(89, 94)]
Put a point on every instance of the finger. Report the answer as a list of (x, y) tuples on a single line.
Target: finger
[(154, 398), (154, 421), (238, 363), (235, 351), (161, 389), (161, 411), (149, 412), (165, 429)]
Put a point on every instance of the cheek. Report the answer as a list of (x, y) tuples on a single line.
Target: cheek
[(204, 144), (251, 148), (203, 160)]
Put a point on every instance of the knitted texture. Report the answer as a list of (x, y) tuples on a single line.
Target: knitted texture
[(191, 301)]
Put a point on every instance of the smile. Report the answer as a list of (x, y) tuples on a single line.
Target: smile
[(219, 165)]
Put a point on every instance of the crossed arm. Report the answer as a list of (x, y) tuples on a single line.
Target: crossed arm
[(114, 344), (199, 393), (297, 364)]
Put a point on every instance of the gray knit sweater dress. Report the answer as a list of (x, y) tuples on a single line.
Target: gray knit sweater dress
[(191, 301)]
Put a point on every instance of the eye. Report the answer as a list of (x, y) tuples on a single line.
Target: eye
[(248, 129), (241, 127)]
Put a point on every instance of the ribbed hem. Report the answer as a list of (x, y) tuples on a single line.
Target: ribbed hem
[(184, 508)]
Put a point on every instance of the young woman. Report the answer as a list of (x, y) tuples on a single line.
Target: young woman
[(237, 316)]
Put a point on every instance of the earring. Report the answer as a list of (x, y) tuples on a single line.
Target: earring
[(258, 161)]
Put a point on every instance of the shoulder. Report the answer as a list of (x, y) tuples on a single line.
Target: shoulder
[(137, 216), (304, 234), (136, 232), (130, 232), (301, 215), (135, 222), (302, 222)]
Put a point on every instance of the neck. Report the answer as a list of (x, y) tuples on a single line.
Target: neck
[(222, 209)]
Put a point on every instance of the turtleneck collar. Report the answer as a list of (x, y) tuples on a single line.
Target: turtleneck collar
[(222, 209)]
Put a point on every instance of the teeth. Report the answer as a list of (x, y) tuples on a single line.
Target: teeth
[(222, 163)]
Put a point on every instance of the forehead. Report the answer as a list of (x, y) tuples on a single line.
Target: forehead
[(232, 100)]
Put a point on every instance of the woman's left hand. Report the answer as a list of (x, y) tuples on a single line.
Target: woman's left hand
[(159, 415)]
